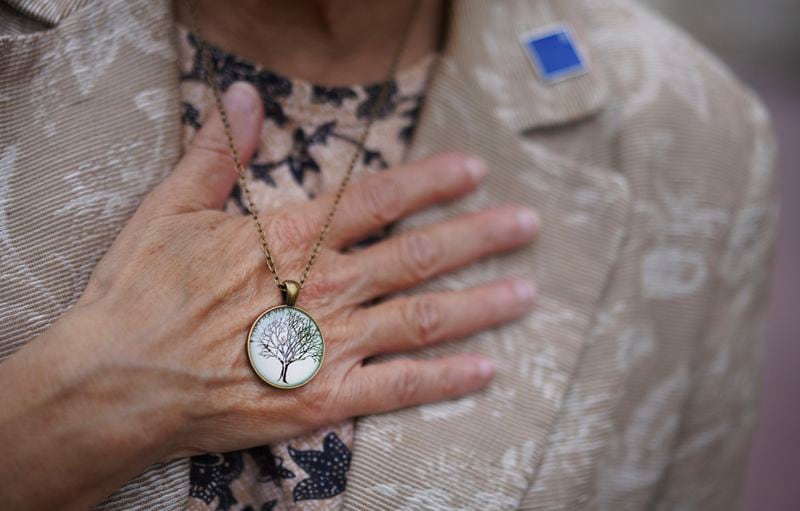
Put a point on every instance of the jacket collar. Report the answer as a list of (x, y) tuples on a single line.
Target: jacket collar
[(484, 39), (484, 36)]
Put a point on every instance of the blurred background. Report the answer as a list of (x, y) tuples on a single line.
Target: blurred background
[(760, 40)]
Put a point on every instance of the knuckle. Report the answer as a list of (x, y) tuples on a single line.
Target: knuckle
[(422, 254), (315, 404), (407, 385), (381, 199), (211, 151), (290, 230), (425, 318), (322, 286), (344, 403), (242, 240)]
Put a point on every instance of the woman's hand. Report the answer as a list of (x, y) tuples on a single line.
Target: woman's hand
[(150, 363)]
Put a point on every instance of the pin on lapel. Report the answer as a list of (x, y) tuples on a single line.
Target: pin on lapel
[(554, 53)]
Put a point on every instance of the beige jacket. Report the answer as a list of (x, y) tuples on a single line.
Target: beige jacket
[(631, 386)]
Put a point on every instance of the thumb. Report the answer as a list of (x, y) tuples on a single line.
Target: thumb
[(205, 176)]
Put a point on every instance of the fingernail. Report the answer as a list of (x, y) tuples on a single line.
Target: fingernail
[(527, 221), (524, 291), (241, 97), (476, 168), (486, 368)]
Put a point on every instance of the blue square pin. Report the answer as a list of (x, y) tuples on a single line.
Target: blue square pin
[(554, 53)]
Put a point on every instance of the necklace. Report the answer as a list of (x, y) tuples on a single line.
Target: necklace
[(285, 336)]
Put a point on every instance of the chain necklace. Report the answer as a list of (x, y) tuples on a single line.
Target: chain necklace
[(286, 336)]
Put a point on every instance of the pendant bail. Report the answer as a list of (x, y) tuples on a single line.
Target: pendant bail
[(290, 289)]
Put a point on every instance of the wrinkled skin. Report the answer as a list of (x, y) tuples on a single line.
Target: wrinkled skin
[(150, 365)]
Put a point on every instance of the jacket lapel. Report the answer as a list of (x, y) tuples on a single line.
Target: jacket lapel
[(482, 451)]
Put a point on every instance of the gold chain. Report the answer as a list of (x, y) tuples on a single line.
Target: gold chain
[(376, 107)]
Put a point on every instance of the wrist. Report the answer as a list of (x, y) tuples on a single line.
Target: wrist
[(75, 416), (117, 383)]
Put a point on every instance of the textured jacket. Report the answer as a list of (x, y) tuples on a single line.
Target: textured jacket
[(633, 383)]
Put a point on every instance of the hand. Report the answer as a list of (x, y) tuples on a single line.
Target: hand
[(159, 332)]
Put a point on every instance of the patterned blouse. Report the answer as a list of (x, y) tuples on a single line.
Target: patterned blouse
[(307, 138)]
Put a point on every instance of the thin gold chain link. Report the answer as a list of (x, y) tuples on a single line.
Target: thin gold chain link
[(212, 80)]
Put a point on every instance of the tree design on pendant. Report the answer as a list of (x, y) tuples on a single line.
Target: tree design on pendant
[(285, 347)]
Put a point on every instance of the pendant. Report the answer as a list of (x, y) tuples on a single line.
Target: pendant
[(285, 345)]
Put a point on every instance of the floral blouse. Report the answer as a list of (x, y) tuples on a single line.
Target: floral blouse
[(307, 138)]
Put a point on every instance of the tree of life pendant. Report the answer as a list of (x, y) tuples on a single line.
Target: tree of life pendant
[(285, 345)]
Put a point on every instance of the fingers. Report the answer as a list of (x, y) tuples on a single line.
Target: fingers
[(412, 322), (386, 386), (380, 199), (205, 176), (413, 257)]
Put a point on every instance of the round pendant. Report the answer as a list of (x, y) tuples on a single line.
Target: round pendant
[(285, 347)]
